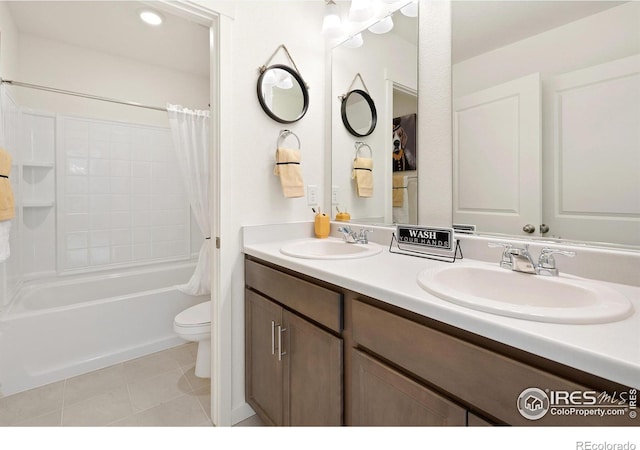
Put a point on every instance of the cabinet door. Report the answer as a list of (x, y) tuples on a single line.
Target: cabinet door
[(477, 421), (264, 371), (313, 374), (381, 396)]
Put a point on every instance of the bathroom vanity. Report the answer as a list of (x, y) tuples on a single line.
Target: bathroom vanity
[(353, 342), (294, 348)]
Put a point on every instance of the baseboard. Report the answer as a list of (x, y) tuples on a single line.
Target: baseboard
[(241, 412)]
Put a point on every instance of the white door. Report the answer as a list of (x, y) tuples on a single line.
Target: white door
[(496, 158), (592, 171)]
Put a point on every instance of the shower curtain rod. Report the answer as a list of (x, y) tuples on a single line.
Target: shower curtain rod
[(80, 94)]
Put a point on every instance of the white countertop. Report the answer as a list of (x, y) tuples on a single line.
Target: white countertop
[(611, 350)]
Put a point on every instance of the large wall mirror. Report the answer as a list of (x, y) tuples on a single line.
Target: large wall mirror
[(546, 119), (546, 122), (387, 64)]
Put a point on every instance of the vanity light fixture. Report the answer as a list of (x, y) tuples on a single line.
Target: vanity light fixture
[(410, 10), (331, 24), (150, 17), (383, 26), (354, 41), (361, 10)]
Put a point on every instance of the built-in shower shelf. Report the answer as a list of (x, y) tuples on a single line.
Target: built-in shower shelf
[(43, 164), (38, 204)]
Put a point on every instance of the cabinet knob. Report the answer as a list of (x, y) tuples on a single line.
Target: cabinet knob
[(529, 228)]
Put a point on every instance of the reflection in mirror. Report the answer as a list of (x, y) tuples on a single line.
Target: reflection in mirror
[(546, 101), (282, 94), (388, 62), (358, 113)]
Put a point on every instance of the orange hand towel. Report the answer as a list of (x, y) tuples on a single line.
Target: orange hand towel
[(398, 190), (363, 174), (7, 208), (288, 169)]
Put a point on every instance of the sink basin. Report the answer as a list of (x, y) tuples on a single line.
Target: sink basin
[(329, 248), (562, 299)]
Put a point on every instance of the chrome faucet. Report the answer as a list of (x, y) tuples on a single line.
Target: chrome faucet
[(513, 258), (519, 259), (505, 261), (351, 237), (547, 263)]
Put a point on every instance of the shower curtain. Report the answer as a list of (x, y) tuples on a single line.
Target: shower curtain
[(190, 132)]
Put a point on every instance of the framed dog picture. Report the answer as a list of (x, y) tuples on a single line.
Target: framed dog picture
[(404, 143)]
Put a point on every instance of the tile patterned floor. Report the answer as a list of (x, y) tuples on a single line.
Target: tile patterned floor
[(156, 390)]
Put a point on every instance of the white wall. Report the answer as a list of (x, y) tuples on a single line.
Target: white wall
[(8, 44), (251, 194), (68, 67), (435, 192), (607, 36)]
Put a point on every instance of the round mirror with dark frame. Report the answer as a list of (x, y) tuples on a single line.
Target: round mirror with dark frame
[(359, 113), (282, 93)]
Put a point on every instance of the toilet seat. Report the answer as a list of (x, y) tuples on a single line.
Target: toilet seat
[(195, 316)]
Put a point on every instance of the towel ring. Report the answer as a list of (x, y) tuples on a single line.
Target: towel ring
[(359, 145), (285, 134)]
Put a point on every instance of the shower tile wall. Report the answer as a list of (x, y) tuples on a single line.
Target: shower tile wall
[(122, 199), (37, 153)]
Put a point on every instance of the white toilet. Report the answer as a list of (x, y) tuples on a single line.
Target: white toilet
[(194, 324)]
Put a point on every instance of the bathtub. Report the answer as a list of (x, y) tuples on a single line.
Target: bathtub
[(65, 327)]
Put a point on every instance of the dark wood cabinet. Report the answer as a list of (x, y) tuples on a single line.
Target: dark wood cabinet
[(477, 421), (478, 377), (313, 375), (264, 386), (382, 396), (293, 365)]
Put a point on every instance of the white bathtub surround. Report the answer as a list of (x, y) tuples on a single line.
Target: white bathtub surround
[(610, 350), (120, 201), (190, 132), (5, 233), (70, 326), (10, 270)]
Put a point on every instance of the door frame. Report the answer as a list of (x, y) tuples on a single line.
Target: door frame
[(219, 46)]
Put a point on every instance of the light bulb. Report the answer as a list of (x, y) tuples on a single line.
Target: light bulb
[(150, 17), (331, 24), (410, 10), (383, 26)]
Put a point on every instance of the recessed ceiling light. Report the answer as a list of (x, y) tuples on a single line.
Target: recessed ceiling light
[(150, 17)]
